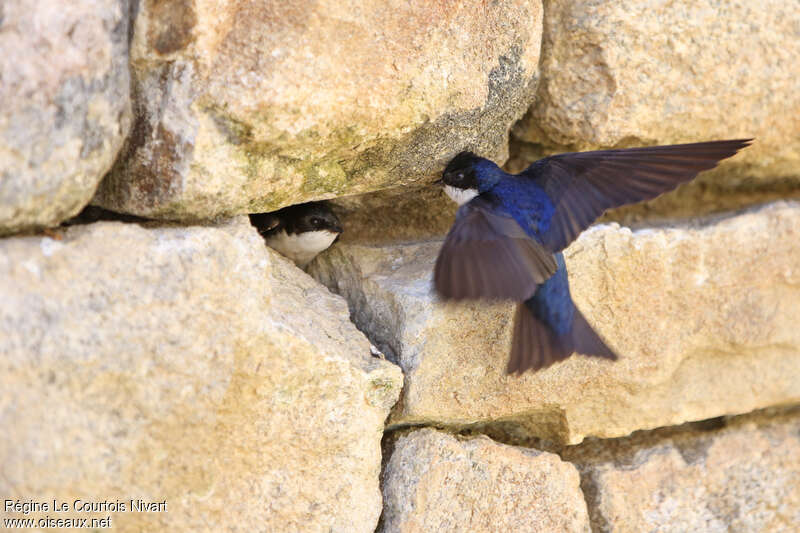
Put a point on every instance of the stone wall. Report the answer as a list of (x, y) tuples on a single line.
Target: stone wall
[(168, 371)]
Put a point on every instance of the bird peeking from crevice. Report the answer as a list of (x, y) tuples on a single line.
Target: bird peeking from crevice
[(510, 230), (299, 232)]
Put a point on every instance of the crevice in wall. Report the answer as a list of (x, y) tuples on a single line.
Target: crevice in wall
[(591, 495), (368, 319), (687, 438), (518, 431), (395, 215), (92, 213), (388, 442)]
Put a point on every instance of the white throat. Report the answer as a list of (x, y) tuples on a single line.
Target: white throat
[(460, 196), (301, 247)]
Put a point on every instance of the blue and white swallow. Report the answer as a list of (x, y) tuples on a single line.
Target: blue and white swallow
[(510, 230)]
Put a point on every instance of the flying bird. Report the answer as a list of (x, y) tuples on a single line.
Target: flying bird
[(299, 232), (510, 230)]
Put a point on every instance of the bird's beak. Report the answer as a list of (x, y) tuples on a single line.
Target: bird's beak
[(440, 181)]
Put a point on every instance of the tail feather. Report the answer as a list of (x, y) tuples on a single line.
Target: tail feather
[(585, 340), (535, 345)]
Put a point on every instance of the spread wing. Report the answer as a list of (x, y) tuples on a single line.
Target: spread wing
[(583, 185), (487, 255)]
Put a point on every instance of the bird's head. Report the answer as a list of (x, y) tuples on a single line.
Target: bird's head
[(300, 231), (313, 216), (296, 219), (460, 171), (460, 178)]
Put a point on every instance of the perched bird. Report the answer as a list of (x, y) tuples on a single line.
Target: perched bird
[(299, 231), (510, 230)]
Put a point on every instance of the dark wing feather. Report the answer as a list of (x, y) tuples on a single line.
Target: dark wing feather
[(583, 185), (266, 223), (535, 345), (488, 256)]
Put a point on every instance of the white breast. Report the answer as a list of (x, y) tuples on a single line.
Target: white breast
[(460, 196), (303, 247)]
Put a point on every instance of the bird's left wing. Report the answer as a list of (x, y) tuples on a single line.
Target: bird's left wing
[(487, 255), (266, 223), (583, 185)]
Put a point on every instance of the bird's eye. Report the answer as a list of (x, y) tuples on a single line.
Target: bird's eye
[(460, 176), (316, 222)]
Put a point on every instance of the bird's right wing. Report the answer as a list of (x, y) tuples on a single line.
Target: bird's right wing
[(487, 255), (583, 185)]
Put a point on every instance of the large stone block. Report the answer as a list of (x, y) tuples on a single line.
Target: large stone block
[(64, 105), (743, 477), (186, 365), (250, 106), (436, 482), (630, 73), (703, 316)]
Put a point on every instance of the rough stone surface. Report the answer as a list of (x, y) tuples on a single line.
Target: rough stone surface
[(191, 365), (436, 482), (703, 316), (65, 93), (744, 477), (250, 106), (630, 73)]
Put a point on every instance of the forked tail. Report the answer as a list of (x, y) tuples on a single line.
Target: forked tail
[(536, 345)]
